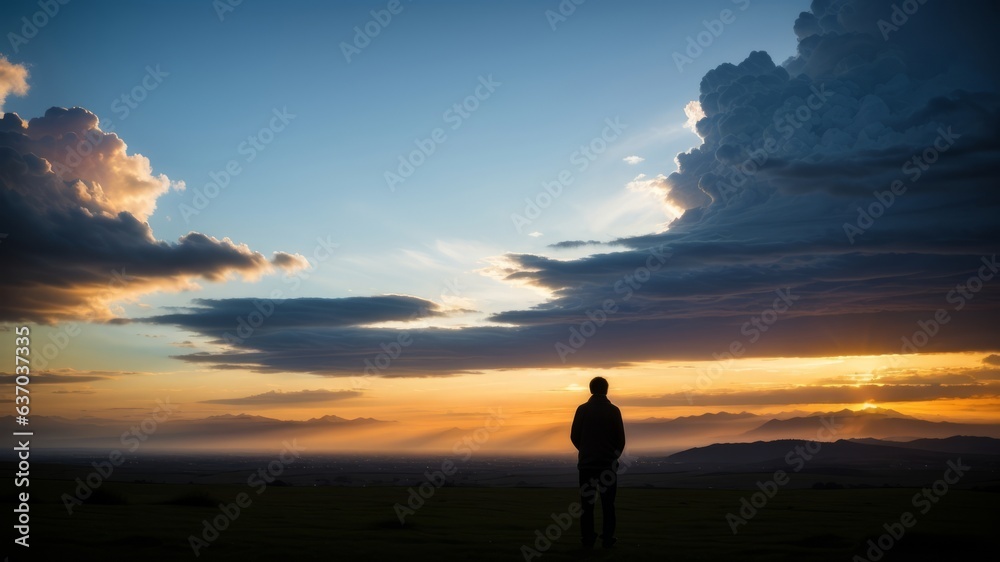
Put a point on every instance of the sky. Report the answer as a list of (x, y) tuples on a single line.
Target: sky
[(422, 211)]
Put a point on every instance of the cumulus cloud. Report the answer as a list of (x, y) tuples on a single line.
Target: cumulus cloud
[(13, 80), (633, 160), (99, 174), (290, 262), (73, 203), (277, 398), (789, 154)]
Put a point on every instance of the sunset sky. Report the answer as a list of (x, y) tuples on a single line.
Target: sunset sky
[(263, 210)]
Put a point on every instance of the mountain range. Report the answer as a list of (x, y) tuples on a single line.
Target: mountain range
[(797, 453)]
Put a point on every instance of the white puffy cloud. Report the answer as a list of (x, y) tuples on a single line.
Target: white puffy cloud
[(694, 113), (13, 80)]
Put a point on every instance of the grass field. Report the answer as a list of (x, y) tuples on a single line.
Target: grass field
[(153, 522)]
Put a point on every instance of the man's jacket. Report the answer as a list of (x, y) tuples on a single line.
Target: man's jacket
[(598, 433)]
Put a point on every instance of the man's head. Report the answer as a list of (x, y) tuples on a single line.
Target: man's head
[(599, 385)]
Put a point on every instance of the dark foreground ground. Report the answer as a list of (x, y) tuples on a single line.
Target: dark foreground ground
[(145, 521)]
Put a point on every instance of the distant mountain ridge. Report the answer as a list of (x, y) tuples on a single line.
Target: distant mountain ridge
[(872, 423), (956, 444), (217, 432), (786, 452)]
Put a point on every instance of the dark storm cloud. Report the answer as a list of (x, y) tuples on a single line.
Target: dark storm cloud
[(791, 190), (217, 316), (570, 244), (349, 351), (791, 152)]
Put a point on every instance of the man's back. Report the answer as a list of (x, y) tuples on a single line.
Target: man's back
[(598, 433)]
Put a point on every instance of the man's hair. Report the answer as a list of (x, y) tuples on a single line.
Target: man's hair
[(599, 385)]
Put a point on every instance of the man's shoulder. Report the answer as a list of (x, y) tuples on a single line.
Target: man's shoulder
[(592, 406), (610, 409)]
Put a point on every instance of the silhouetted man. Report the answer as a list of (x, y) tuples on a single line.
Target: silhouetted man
[(599, 434)]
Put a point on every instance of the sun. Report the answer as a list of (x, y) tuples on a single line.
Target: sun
[(869, 406)]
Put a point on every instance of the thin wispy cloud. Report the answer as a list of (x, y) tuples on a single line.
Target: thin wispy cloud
[(277, 398), (819, 395)]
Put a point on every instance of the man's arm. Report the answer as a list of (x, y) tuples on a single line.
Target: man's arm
[(574, 432), (619, 433)]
